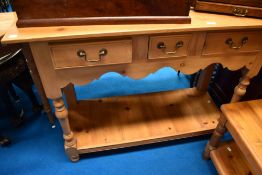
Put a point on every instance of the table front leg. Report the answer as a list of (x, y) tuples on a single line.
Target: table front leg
[(37, 81), (216, 137), (70, 142)]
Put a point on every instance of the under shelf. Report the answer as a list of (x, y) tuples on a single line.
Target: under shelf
[(117, 122), (229, 160)]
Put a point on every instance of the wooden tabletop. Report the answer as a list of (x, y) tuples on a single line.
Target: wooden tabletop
[(6, 21), (200, 22), (245, 125)]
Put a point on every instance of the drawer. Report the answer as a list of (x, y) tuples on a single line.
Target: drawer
[(168, 46), (233, 42), (70, 55)]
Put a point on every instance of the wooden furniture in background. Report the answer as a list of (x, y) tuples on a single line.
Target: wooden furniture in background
[(241, 8), (83, 12), (14, 71), (244, 121), (117, 122)]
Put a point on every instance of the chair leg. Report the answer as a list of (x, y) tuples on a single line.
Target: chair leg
[(239, 92)]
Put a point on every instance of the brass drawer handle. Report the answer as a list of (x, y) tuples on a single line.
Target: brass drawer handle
[(242, 12), (179, 44), (231, 44), (102, 52), (82, 54)]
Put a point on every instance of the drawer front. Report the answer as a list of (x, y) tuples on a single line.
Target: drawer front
[(168, 46), (234, 42), (91, 54)]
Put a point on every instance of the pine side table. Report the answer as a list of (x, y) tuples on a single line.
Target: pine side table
[(68, 55)]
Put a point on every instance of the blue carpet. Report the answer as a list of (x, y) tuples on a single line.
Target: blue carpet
[(38, 149)]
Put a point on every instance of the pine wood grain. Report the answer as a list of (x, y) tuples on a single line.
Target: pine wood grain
[(169, 42), (6, 21), (141, 119), (65, 55), (140, 67), (229, 160), (200, 22), (245, 125), (216, 42)]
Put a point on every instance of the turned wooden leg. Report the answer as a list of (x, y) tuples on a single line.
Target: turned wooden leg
[(215, 139), (240, 89), (204, 79), (70, 141)]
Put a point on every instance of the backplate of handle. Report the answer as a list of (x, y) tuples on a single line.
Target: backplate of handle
[(232, 45), (179, 44), (82, 54), (242, 12)]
